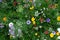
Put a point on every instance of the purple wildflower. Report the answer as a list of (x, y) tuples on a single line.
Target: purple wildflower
[(28, 22), (11, 32), (47, 20), (54, 32), (0, 0), (1, 25)]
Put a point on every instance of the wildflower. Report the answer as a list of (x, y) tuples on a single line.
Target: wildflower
[(58, 18), (32, 19), (28, 22), (58, 37), (10, 24), (34, 22), (4, 19), (51, 35), (57, 33), (36, 34), (1, 25), (31, 8), (58, 29), (0, 0), (54, 32), (47, 20), (36, 13)]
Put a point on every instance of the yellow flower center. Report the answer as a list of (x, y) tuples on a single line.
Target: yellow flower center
[(57, 33), (31, 8), (4, 19), (58, 18), (36, 34)]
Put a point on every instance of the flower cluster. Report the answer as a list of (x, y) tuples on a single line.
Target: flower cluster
[(11, 29)]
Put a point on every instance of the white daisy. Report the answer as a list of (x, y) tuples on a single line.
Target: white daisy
[(11, 24), (58, 37), (58, 29)]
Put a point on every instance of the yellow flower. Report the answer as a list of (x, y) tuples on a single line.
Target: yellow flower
[(51, 35), (34, 22), (36, 34), (32, 19), (4, 19), (31, 8), (57, 33), (58, 18)]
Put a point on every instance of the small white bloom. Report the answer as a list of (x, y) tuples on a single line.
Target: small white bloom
[(14, 36), (44, 15), (10, 24), (36, 28), (40, 26), (36, 13), (58, 37), (58, 29), (44, 8), (11, 32), (41, 11), (19, 33), (44, 39)]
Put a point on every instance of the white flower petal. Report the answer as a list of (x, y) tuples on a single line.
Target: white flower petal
[(58, 29), (10, 24), (58, 37)]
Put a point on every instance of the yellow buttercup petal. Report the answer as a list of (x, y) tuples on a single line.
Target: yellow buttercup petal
[(4, 19), (34, 22), (58, 18), (31, 8), (51, 35), (36, 34), (32, 19), (57, 33)]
